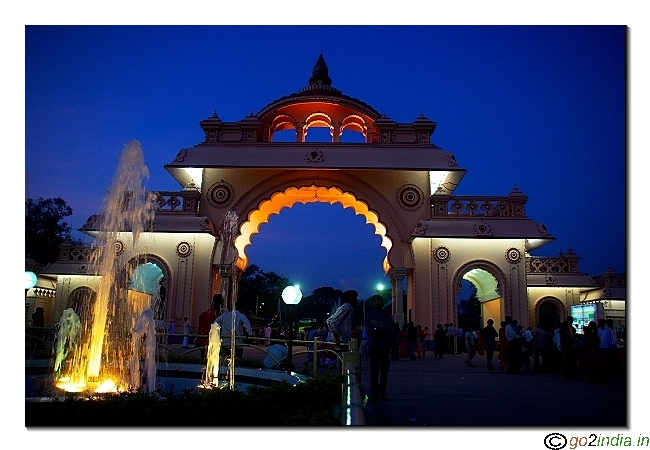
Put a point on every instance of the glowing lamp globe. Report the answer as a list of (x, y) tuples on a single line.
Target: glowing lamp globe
[(30, 279), (291, 295)]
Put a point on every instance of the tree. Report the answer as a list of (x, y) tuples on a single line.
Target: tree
[(469, 311), (45, 228), (322, 300), (259, 291)]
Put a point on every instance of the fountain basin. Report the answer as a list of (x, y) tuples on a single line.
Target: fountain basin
[(39, 387)]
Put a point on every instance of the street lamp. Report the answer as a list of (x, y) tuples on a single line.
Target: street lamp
[(291, 296)]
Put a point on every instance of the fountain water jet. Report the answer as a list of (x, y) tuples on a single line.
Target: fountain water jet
[(214, 349), (106, 348), (67, 338), (227, 231)]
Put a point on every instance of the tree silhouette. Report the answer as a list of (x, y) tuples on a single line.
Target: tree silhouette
[(45, 228)]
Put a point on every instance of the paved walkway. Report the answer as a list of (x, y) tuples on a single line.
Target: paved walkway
[(445, 392)]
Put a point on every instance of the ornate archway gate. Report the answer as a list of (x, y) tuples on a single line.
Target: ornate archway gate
[(396, 178)]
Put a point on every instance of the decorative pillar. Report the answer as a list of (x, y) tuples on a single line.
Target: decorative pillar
[(399, 309), (336, 132), (300, 132)]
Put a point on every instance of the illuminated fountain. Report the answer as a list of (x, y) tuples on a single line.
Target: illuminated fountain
[(67, 338), (211, 378), (228, 285), (117, 338)]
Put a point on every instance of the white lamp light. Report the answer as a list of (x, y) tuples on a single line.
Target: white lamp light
[(31, 279), (291, 295)]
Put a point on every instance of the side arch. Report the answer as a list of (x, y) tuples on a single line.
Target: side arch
[(545, 315), (501, 287), (162, 305)]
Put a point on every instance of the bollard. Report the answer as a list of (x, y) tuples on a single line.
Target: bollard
[(353, 358)]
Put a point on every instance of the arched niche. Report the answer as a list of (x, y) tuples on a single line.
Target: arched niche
[(489, 281)]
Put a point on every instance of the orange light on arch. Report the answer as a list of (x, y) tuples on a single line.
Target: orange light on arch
[(312, 194)]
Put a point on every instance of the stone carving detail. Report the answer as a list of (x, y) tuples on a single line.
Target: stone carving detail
[(550, 279), (82, 269), (385, 137), (221, 194), (423, 137), (180, 157), (482, 229), (542, 229), (249, 136), (314, 156), (420, 228), (410, 197), (119, 247), (183, 249), (451, 160), (205, 224), (513, 255), (442, 254)]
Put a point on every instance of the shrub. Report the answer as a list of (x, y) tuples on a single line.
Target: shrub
[(313, 403)]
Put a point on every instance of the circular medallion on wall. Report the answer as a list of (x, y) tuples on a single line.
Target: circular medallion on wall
[(513, 255), (221, 194), (183, 249), (410, 197), (442, 254), (119, 247), (482, 229)]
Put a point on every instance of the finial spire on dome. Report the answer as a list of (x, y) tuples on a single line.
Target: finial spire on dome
[(320, 73)]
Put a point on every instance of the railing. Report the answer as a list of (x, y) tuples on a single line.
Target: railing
[(352, 401), (513, 205), (177, 202), (559, 264)]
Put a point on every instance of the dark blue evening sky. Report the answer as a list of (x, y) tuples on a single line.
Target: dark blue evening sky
[(542, 108)]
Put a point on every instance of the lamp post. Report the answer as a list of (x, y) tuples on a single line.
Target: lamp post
[(291, 295)]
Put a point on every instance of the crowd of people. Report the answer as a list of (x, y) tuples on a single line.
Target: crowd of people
[(591, 355)]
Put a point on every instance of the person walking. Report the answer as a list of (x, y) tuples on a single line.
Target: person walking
[(540, 344), (206, 319), (422, 340), (313, 333), (460, 341), (241, 324), (606, 350), (503, 347), (592, 347), (38, 322), (470, 345), (380, 336), (439, 341), (451, 338), (340, 323), (171, 329), (489, 335), (187, 330), (412, 338)]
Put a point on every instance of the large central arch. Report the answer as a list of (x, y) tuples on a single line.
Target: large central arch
[(311, 194)]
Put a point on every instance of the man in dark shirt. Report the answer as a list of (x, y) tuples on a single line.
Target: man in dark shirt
[(379, 326), (489, 335), (206, 319)]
